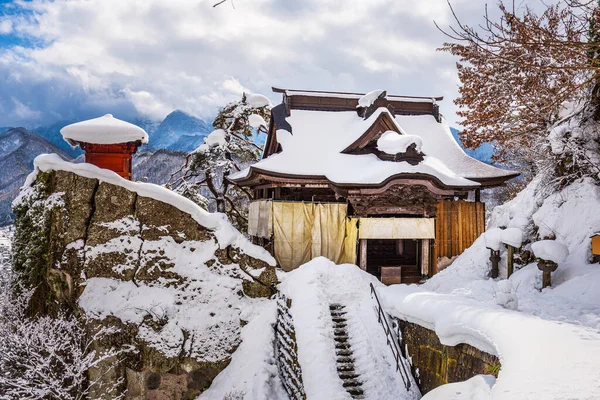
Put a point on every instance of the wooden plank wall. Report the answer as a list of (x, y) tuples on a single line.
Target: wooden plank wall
[(457, 225)]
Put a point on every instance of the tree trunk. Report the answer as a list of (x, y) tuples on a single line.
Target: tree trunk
[(220, 204)]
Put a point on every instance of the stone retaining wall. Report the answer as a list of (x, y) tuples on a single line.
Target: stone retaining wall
[(434, 364)]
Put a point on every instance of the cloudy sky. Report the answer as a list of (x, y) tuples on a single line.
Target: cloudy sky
[(82, 58)]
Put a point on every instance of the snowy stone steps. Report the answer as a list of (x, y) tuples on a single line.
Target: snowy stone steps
[(343, 351)]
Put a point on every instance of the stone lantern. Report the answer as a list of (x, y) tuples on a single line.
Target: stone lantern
[(108, 142), (549, 254), (547, 267)]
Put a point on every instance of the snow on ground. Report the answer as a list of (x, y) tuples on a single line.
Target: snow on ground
[(218, 223), (476, 388), (540, 359), (253, 371), (312, 288), (571, 217)]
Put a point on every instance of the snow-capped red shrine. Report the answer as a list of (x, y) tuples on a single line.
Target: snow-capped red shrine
[(372, 178), (108, 142)]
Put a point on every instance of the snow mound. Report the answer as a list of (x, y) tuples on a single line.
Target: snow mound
[(493, 238), (550, 250), (512, 237), (369, 98), (103, 130), (226, 234), (393, 143), (560, 359), (257, 100), (216, 138), (476, 388), (313, 287), (253, 368), (256, 121), (571, 216)]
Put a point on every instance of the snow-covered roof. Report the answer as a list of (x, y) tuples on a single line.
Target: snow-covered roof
[(344, 95), (103, 130), (318, 138)]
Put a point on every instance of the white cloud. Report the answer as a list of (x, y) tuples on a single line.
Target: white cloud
[(189, 55), (6, 26), (24, 112), (147, 104)]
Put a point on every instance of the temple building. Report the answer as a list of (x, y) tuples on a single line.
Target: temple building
[(376, 180)]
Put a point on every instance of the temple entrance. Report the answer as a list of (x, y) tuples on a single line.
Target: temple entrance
[(394, 260)]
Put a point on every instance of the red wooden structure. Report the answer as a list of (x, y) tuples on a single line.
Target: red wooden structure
[(108, 142), (116, 157)]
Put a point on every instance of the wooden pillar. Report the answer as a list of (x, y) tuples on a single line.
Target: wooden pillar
[(477, 195), (425, 257), (363, 254), (510, 262)]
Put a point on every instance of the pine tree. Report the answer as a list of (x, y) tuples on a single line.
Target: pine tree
[(228, 149)]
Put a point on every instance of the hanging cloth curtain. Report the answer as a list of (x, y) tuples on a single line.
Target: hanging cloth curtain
[(349, 254), (329, 230), (260, 219), (292, 233)]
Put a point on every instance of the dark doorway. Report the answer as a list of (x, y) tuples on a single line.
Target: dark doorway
[(394, 253)]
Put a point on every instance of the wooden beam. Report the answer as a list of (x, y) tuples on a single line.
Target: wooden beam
[(425, 268), (510, 262), (363, 254)]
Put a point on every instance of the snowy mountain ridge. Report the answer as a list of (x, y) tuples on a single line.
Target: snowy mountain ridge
[(18, 148)]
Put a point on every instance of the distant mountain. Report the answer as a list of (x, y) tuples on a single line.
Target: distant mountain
[(52, 133), (180, 131), (483, 153), (157, 167), (18, 148)]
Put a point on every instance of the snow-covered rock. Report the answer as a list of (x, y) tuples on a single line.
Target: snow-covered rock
[(141, 259), (550, 250), (393, 143)]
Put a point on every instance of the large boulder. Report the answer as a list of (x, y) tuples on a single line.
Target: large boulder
[(173, 294)]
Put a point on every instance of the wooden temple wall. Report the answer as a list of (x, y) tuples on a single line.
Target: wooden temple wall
[(458, 224)]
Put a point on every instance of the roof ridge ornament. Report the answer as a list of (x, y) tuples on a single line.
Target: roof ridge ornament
[(379, 101)]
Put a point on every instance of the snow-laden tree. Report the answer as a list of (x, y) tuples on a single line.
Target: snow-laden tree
[(522, 73), (45, 357), (229, 148)]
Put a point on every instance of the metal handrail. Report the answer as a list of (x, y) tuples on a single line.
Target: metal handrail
[(391, 342)]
